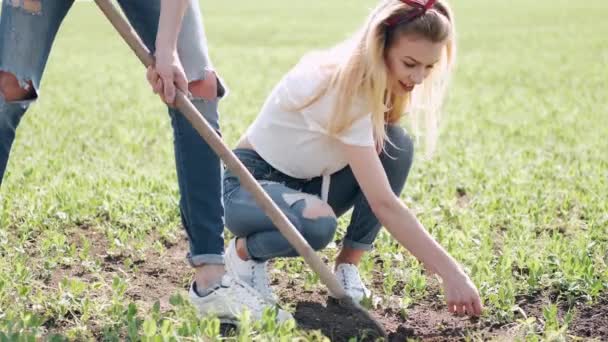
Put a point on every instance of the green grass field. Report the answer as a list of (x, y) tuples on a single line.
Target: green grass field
[(517, 190)]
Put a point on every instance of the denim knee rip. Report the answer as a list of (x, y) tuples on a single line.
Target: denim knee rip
[(29, 6)]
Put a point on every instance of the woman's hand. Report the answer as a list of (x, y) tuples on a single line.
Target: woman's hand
[(461, 294)]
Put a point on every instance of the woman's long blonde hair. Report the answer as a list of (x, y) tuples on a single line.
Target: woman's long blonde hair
[(358, 71)]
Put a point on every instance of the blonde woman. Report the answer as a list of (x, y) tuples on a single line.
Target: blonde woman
[(327, 140)]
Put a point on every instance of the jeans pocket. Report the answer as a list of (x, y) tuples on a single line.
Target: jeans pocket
[(257, 166), (231, 183)]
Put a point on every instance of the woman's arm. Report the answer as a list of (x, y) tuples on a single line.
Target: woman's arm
[(167, 73), (461, 293)]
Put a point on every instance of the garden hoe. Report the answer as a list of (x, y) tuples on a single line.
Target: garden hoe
[(248, 182)]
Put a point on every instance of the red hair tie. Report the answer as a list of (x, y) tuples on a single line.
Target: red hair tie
[(420, 7)]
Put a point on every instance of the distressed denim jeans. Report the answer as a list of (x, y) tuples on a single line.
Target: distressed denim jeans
[(26, 37), (245, 219)]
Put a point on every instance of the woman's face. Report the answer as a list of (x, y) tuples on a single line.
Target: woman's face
[(410, 60)]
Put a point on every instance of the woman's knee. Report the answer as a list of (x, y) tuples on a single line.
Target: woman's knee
[(399, 149), (243, 216), (398, 157), (318, 219), (320, 232), (320, 224)]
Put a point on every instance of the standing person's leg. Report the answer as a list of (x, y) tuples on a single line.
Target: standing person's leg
[(27, 32), (199, 170)]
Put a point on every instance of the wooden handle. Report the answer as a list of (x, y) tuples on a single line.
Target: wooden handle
[(232, 162)]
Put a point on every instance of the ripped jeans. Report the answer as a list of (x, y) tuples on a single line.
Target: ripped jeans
[(245, 219), (27, 32)]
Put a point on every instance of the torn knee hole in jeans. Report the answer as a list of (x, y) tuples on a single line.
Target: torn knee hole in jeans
[(207, 88), (29, 6), (16, 88), (314, 207)]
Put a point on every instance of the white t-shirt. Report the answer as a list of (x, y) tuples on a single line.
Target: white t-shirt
[(296, 142)]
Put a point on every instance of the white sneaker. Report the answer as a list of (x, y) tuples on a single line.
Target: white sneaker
[(230, 298), (254, 273), (348, 276)]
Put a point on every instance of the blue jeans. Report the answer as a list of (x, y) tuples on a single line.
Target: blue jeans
[(245, 219), (25, 43)]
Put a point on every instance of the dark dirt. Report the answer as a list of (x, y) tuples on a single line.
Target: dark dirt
[(314, 315), (427, 320), (157, 277), (591, 321)]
